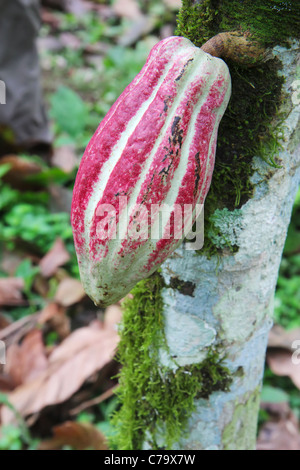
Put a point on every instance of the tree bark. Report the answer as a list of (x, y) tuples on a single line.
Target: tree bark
[(199, 335), (231, 306)]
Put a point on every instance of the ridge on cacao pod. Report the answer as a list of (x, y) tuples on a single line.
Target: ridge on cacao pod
[(155, 147)]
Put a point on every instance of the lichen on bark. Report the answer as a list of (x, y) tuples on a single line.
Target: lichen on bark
[(245, 413)]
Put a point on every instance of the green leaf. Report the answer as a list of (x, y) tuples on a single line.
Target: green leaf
[(69, 111), (34, 224), (8, 196), (4, 169), (28, 272), (274, 395), (50, 176), (23, 429)]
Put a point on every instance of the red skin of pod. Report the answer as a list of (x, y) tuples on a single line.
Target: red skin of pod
[(156, 146)]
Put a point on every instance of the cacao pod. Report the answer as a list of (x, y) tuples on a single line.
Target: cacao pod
[(155, 146)]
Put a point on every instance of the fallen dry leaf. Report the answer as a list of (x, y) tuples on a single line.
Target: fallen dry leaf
[(56, 257), (20, 167), (60, 198), (69, 292), (50, 19), (41, 285), (61, 275), (104, 12), (65, 157), (166, 31), (173, 4), (79, 436), (6, 383), (4, 322), (282, 431), (47, 44), (72, 42), (51, 311), (77, 7), (281, 363), (140, 24), (77, 358), (283, 435), (10, 261), (26, 361), (127, 9), (112, 316), (140, 27), (280, 338), (56, 316), (97, 51), (280, 410), (17, 330), (11, 291)]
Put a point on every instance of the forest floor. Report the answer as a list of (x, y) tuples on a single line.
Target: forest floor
[(56, 386)]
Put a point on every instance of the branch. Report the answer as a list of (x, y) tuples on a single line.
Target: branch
[(238, 47)]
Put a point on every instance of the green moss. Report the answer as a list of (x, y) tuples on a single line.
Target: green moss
[(245, 415), (251, 125), (271, 22), (197, 22), (156, 401)]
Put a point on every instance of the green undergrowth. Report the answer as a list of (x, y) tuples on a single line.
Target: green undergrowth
[(251, 124), (287, 314), (287, 300), (156, 402)]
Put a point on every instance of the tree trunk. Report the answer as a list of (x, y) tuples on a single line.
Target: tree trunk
[(210, 321), (230, 306)]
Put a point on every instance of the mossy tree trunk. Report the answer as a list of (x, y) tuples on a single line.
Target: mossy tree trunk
[(197, 385)]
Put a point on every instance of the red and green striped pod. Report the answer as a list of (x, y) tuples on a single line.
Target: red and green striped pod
[(155, 146)]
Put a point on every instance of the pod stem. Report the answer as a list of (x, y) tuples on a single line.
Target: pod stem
[(238, 47)]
